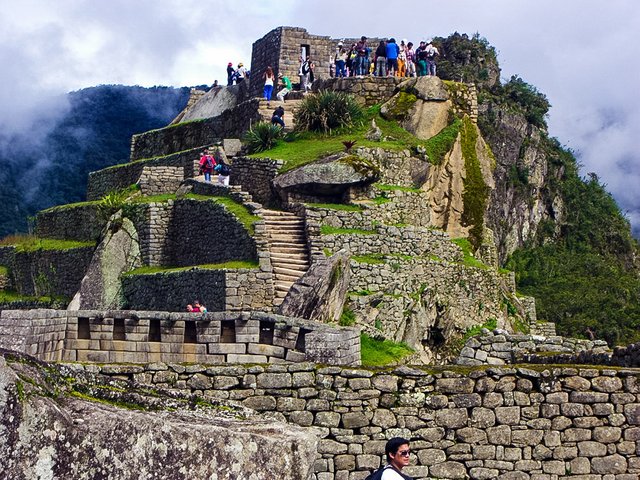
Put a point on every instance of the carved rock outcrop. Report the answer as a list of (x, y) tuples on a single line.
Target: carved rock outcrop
[(118, 253), (48, 434), (321, 292)]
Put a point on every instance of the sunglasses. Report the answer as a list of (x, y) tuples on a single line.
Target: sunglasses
[(404, 453)]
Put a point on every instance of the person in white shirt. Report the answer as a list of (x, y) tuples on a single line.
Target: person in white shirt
[(397, 451)]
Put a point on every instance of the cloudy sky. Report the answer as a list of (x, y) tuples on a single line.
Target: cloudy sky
[(583, 54)]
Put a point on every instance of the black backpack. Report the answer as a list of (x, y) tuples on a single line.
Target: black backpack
[(223, 169), (377, 474)]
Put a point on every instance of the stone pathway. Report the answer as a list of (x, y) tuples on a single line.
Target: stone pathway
[(288, 247), (290, 107)]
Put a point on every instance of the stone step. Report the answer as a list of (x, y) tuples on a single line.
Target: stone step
[(288, 248), (290, 260), (298, 238), (286, 278), (288, 271)]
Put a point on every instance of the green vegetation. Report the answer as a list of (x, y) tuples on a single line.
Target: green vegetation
[(467, 250), (57, 208), (9, 296), (327, 111), (370, 259), (385, 187), (4, 271), (348, 317), (262, 136), (230, 265), (337, 206), (115, 200), (30, 243), (467, 59), (442, 143), (379, 352), (476, 192), (491, 324), (328, 230), (401, 106), (163, 198)]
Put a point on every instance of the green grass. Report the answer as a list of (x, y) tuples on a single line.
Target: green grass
[(4, 271), (30, 243), (230, 265), (9, 296), (376, 353), (442, 143), (57, 208), (336, 206), (328, 230), (381, 200), (469, 260), (370, 259), (491, 324), (164, 198), (309, 146), (384, 187), (348, 317), (241, 212)]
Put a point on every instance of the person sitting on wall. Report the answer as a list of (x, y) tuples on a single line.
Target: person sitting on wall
[(277, 117), (199, 308)]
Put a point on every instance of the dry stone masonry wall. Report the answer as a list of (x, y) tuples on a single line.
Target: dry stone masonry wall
[(485, 423), (159, 180), (147, 337), (81, 222), (500, 348), (255, 176)]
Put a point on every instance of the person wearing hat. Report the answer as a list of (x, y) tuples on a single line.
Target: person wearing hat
[(286, 87), (241, 73), (230, 74)]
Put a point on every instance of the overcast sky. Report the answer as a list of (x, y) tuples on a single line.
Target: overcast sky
[(584, 55)]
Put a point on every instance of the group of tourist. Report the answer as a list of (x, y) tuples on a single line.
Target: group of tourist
[(215, 162), (389, 59), (235, 76), (196, 307)]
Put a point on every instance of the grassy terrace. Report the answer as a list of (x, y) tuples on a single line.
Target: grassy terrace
[(30, 243), (306, 147), (231, 265)]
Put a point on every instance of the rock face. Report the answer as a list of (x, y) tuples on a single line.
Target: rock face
[(329, 177), (421, 105), (46, 434), (321, 292), (118, 252), (213, 103)]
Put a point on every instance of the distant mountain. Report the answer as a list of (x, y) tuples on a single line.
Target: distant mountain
[(94, 133)]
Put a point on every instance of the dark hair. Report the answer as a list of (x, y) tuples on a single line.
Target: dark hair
[(393, 445), (392, 40)]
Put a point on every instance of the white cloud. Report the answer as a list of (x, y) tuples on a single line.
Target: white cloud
[(582, 54)]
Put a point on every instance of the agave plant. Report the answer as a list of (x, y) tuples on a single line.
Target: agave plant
[(326, 111), (262, 136)]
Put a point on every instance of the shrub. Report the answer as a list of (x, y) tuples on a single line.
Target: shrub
[(262, 136), (326, 111)]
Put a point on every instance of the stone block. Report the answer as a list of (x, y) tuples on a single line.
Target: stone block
[(239, 358), (225, 348), (268, 350)]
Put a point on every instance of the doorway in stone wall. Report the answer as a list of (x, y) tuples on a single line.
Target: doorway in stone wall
[(305, 51)]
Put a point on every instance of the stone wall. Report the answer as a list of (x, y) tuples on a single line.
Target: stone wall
[(386, 239), (484, 423), (50, 272), (368, 90), (500, 348), (196, 134), (147, 337), (217, 289), (159, 180), (182, 232), (80, 222), (40, 333), (124, 175), (255, 176)]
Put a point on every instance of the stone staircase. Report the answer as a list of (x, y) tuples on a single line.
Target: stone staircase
[(290, 107), (288, 248)]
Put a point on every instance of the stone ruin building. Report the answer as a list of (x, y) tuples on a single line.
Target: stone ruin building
[(287, 261)]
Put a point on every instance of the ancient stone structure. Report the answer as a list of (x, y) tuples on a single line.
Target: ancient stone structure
[(142, 337), (55, 428), (538, 423)]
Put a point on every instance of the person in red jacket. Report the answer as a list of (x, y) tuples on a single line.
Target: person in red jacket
[(207, 165)]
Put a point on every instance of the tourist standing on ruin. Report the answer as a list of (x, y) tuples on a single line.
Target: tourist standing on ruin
[(207, 165), (431, 52), (411, 60), (286, 87), (402, 59), (241, 73), (422, 63), (392, 57), (381, 59), (304, 72), (362, 60), (230, 74), (341, 61), (269, 78)]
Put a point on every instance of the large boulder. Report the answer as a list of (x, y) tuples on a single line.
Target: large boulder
[(50, 429), (421, 105), (321, 292), (332, 176), (213, 103), (117, 253)]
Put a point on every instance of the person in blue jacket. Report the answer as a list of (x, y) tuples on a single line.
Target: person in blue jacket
[(392, 57)]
